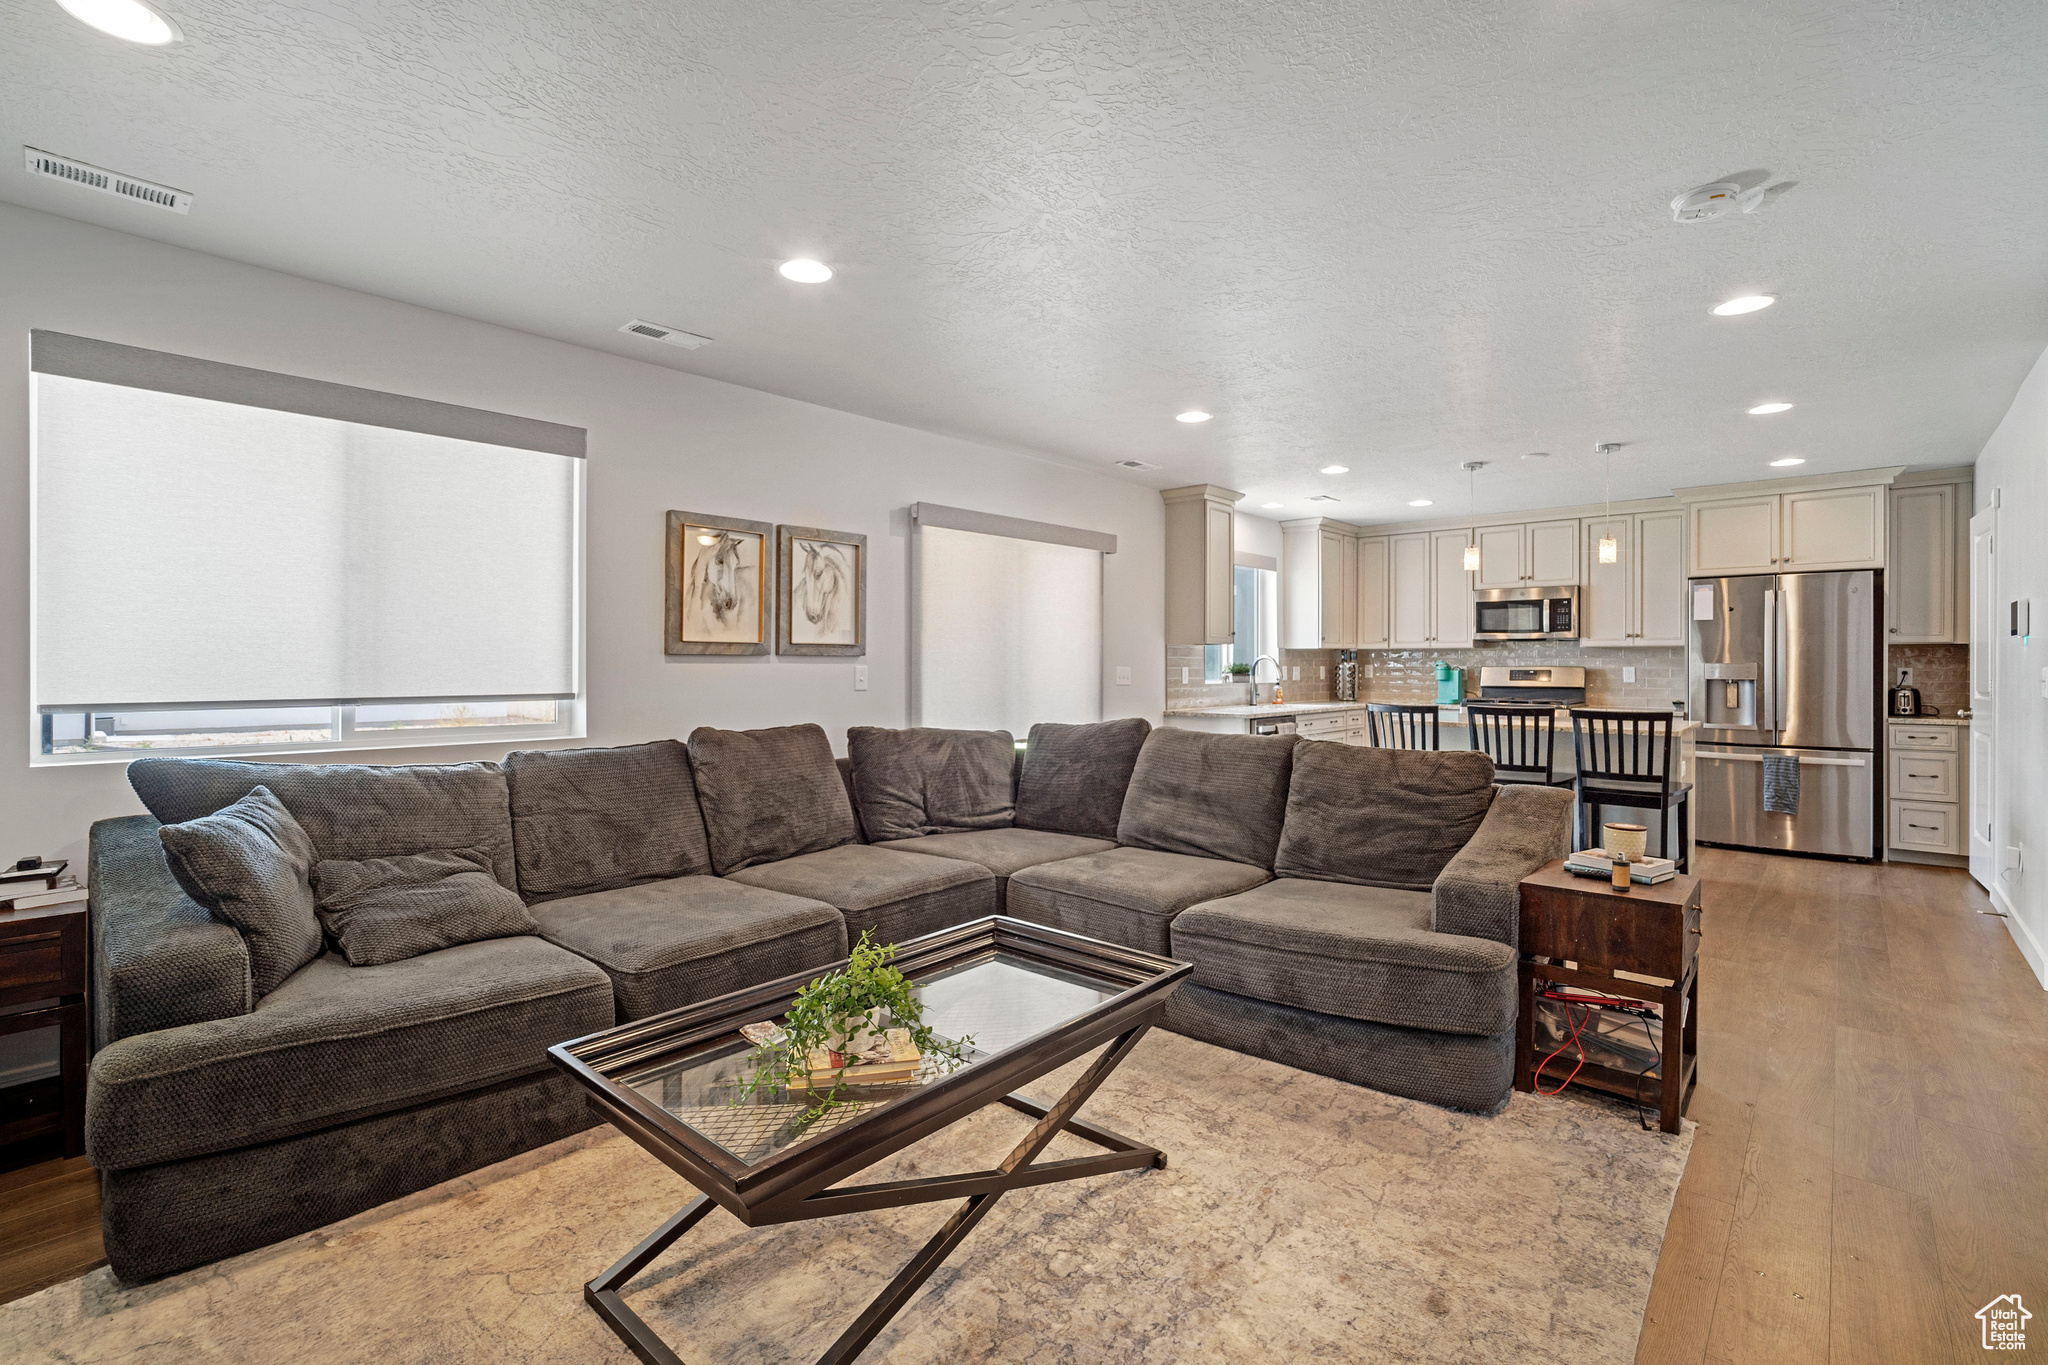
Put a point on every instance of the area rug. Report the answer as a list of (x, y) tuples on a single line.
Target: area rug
[(1299, 1219)]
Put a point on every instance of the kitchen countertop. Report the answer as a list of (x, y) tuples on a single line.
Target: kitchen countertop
[(1447, 715), (1929, 720)]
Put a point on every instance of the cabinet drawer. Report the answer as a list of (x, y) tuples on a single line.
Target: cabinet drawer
[(1924, 737), (27, 964), (1926, 829), (1325, 725), (1924, 776)]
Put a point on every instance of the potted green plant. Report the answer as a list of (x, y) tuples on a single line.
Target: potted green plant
[(1238, 671), (841, 1016)]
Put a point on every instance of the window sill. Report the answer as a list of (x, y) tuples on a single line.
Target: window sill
[(506, 736)]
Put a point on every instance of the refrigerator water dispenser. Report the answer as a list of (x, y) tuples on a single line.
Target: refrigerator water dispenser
[(1730, 695)]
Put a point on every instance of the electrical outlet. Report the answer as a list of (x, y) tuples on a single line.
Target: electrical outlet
[(1366, 672), (860, 677), (2014, 865), (1183, 675), (1628, 675), (1322, 673), (1123, 675), (1297, 674)]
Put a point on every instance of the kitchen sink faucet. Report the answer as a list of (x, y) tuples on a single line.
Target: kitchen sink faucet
[(1254, 675)]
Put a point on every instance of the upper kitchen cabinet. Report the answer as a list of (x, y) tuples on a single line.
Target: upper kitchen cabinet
[(1410, 623), (1450, 590), (1319, 583), (1537, 553), (1826, 523), (1640, 598), (1927, 590), (1200, 557), (1374, 607)]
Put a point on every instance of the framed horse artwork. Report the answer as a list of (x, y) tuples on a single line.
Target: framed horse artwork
[(721, 585), (824, 601)]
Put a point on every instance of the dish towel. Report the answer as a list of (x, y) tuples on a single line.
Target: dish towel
[(1781, 784)]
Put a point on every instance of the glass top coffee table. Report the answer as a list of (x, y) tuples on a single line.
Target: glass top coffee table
[(1031, 998)]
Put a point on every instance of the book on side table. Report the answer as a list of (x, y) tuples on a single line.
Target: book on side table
[(1598, 862)]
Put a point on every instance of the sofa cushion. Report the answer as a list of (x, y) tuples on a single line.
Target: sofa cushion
[(1074, 776), (768, 794), (922, 781), (337, 1043), (159, 958), (249, 864), (1381, 817), (350, 810), (1003, 851), (689, 939), (897, 896), (1212, 796), (1125, 895), (1361, 952), (387, 909), (594, 819)]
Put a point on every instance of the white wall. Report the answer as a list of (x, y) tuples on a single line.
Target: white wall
[(658, 440), (2014, 468)]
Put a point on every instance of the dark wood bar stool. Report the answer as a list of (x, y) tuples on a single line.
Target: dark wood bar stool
[(1393, 726), (1521, 741), (1624, 759)]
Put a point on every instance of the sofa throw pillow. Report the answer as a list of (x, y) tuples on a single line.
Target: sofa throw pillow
[(350, 810), (1381, 817), (249, 865), (1074, 776), (912, 782), (388, 909), (1213, 796), (768, 794), (588, 820)]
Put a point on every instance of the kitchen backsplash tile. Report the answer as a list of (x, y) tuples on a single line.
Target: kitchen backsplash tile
[(1941, 672), (1318, 680), (1409, 675)]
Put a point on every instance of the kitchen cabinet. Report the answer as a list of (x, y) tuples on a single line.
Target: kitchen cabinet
[(1318, 584), (1373, 590), (1927, 583), (1640, 598), (1450, 590), (1537, 553), (1200, 563), (1929, 774), (1806, 530), (1409, 622)]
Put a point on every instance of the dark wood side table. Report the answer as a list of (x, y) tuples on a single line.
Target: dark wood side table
[(43, 956), (1650, 931)]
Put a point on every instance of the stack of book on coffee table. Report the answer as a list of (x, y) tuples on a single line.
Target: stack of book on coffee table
[(1598, 862)]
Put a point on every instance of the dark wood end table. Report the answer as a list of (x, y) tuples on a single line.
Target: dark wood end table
[(1650, 931), (43, 962), (1032, 998)]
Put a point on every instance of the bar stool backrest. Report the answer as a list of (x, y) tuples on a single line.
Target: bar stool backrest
[(1519, 739), (1393, 726), (1631, 748)]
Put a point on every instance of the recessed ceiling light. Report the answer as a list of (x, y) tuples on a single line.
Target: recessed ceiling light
[(1192, 415), (1421, 502), (805, 271), (1787, 462), (1269, 506), (132, 20), (1748, 303), (1336, 469), (1766, 409)]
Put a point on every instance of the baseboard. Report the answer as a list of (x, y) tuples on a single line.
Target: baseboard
[(1896, 855), (2030, 947)]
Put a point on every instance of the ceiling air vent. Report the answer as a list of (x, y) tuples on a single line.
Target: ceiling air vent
[(105, 181), (1319, 497), (1134, 464), (674, 336)]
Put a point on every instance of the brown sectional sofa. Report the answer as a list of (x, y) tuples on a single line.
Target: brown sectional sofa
[(660, 875)]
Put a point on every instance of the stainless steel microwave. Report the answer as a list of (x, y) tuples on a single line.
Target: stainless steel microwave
[(1525, 614)]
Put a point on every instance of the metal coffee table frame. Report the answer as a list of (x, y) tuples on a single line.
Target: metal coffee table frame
[(800, 1182)]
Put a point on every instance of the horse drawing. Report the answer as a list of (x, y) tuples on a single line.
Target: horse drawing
[(821, 588)]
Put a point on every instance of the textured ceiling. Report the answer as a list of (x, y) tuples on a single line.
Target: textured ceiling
[(1394, 235)]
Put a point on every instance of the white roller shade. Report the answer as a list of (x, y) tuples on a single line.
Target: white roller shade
[(191, 551), (1008, 631)]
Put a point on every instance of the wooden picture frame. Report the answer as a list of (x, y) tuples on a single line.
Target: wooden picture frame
[(718, 602), (822, 591)]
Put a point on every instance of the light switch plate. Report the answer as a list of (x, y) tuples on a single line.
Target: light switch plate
[(1183, 675), (1123, 675), (1297, 674), (1322, 673), (860, 677), (1628, 675)]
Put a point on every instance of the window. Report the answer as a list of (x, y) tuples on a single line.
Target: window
[(1255, 608), (228, 560)]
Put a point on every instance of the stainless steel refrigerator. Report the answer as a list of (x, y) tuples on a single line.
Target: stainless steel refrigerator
[(1785, 668)]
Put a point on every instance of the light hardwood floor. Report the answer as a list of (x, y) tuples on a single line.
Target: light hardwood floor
[(1871, 1165)]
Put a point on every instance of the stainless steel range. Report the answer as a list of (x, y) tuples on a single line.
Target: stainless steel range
[(1541, 688)]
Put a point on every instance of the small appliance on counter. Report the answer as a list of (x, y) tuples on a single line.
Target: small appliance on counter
[(1450, 685), (1903, 700)]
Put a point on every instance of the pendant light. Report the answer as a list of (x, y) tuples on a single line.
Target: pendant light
[(1472, 468), (1610, 549)]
